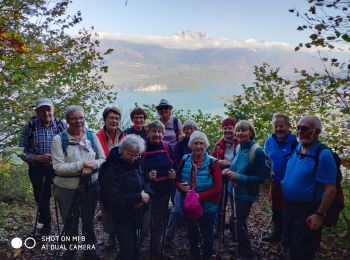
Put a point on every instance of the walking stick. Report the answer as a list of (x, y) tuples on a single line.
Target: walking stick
[(71, 213), (56, 212), (236, 244), (39, 204), (223, 209), (140, 214), (170, 206)]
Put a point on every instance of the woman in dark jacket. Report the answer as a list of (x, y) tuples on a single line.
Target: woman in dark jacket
[(125, 192), (159, 165)]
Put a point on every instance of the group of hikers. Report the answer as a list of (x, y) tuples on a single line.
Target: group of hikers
[(149, 177)]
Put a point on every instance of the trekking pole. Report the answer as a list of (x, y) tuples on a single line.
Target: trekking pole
[(170, 206), (56, 212), (223, 209), (140, 214), (71, 213), (236, 244), (39, 204)]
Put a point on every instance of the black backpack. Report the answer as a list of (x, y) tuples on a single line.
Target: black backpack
[(332, 215)]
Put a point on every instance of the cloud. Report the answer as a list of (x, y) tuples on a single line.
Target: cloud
[(152, 88), (195, 40)]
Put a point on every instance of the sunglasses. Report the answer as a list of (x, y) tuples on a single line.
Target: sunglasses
[(302, 128), (163, 108)]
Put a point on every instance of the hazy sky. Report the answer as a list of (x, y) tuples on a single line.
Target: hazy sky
[(262, 20)]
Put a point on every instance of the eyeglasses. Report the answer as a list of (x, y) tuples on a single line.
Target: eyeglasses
[(132, 155), (163, 108), (113, 118), (76, 119), (302, 128)]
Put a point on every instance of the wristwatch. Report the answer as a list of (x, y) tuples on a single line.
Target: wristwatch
[(321, 214)]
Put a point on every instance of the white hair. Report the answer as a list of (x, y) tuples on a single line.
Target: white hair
[(134, 142), (190, 123), (198, 135), (71, 109)]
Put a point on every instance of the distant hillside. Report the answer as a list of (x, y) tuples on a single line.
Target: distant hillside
[(138, 65)]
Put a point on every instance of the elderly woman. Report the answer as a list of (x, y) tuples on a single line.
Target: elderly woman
[(173, 127), (246, 176), (138, 117), (181, 149), (76, 157), (201, 172), (158, 164), (126, 193)]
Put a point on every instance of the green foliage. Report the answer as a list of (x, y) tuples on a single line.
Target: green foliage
[(16, 184), (266, 96), (327, 94), (39, 58)]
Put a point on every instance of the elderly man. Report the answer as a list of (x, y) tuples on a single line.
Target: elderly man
[(279, 146), (36, 141), (308, 191)]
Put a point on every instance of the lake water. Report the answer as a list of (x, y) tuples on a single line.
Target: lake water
[(208, 98)]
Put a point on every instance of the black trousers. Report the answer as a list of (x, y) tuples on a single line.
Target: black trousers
[(41, 179), (125, 226), (303, 241), (242, 211)]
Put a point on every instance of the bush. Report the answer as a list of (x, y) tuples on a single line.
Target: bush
[(16, 185)]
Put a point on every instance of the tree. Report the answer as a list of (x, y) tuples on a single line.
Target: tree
[(39, 58), (328, 22), (267, 95)]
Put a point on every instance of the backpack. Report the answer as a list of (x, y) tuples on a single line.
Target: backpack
[(65, 142), (332, 215), (268, 165), (165, 150)]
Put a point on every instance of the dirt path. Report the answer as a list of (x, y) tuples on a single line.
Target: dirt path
[(258, 221)]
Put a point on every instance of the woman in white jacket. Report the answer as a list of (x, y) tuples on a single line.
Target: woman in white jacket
[(76, 156)]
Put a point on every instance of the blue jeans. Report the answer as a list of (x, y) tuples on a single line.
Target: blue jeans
[(175, 215), (206, 228)]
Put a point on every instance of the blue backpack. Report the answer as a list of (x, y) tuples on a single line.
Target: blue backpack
[(65, 142)]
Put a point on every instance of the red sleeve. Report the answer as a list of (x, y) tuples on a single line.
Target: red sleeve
[(213, 194)]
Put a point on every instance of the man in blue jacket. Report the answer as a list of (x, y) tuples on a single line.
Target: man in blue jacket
[(278, 146), (308, 191)]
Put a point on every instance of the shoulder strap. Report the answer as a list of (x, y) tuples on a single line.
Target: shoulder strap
[(211, 165), (64, 141), (176, 127), (90, 136), (252, 151), (167, 151), (60, 124), (319, 149), (294, 145)]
